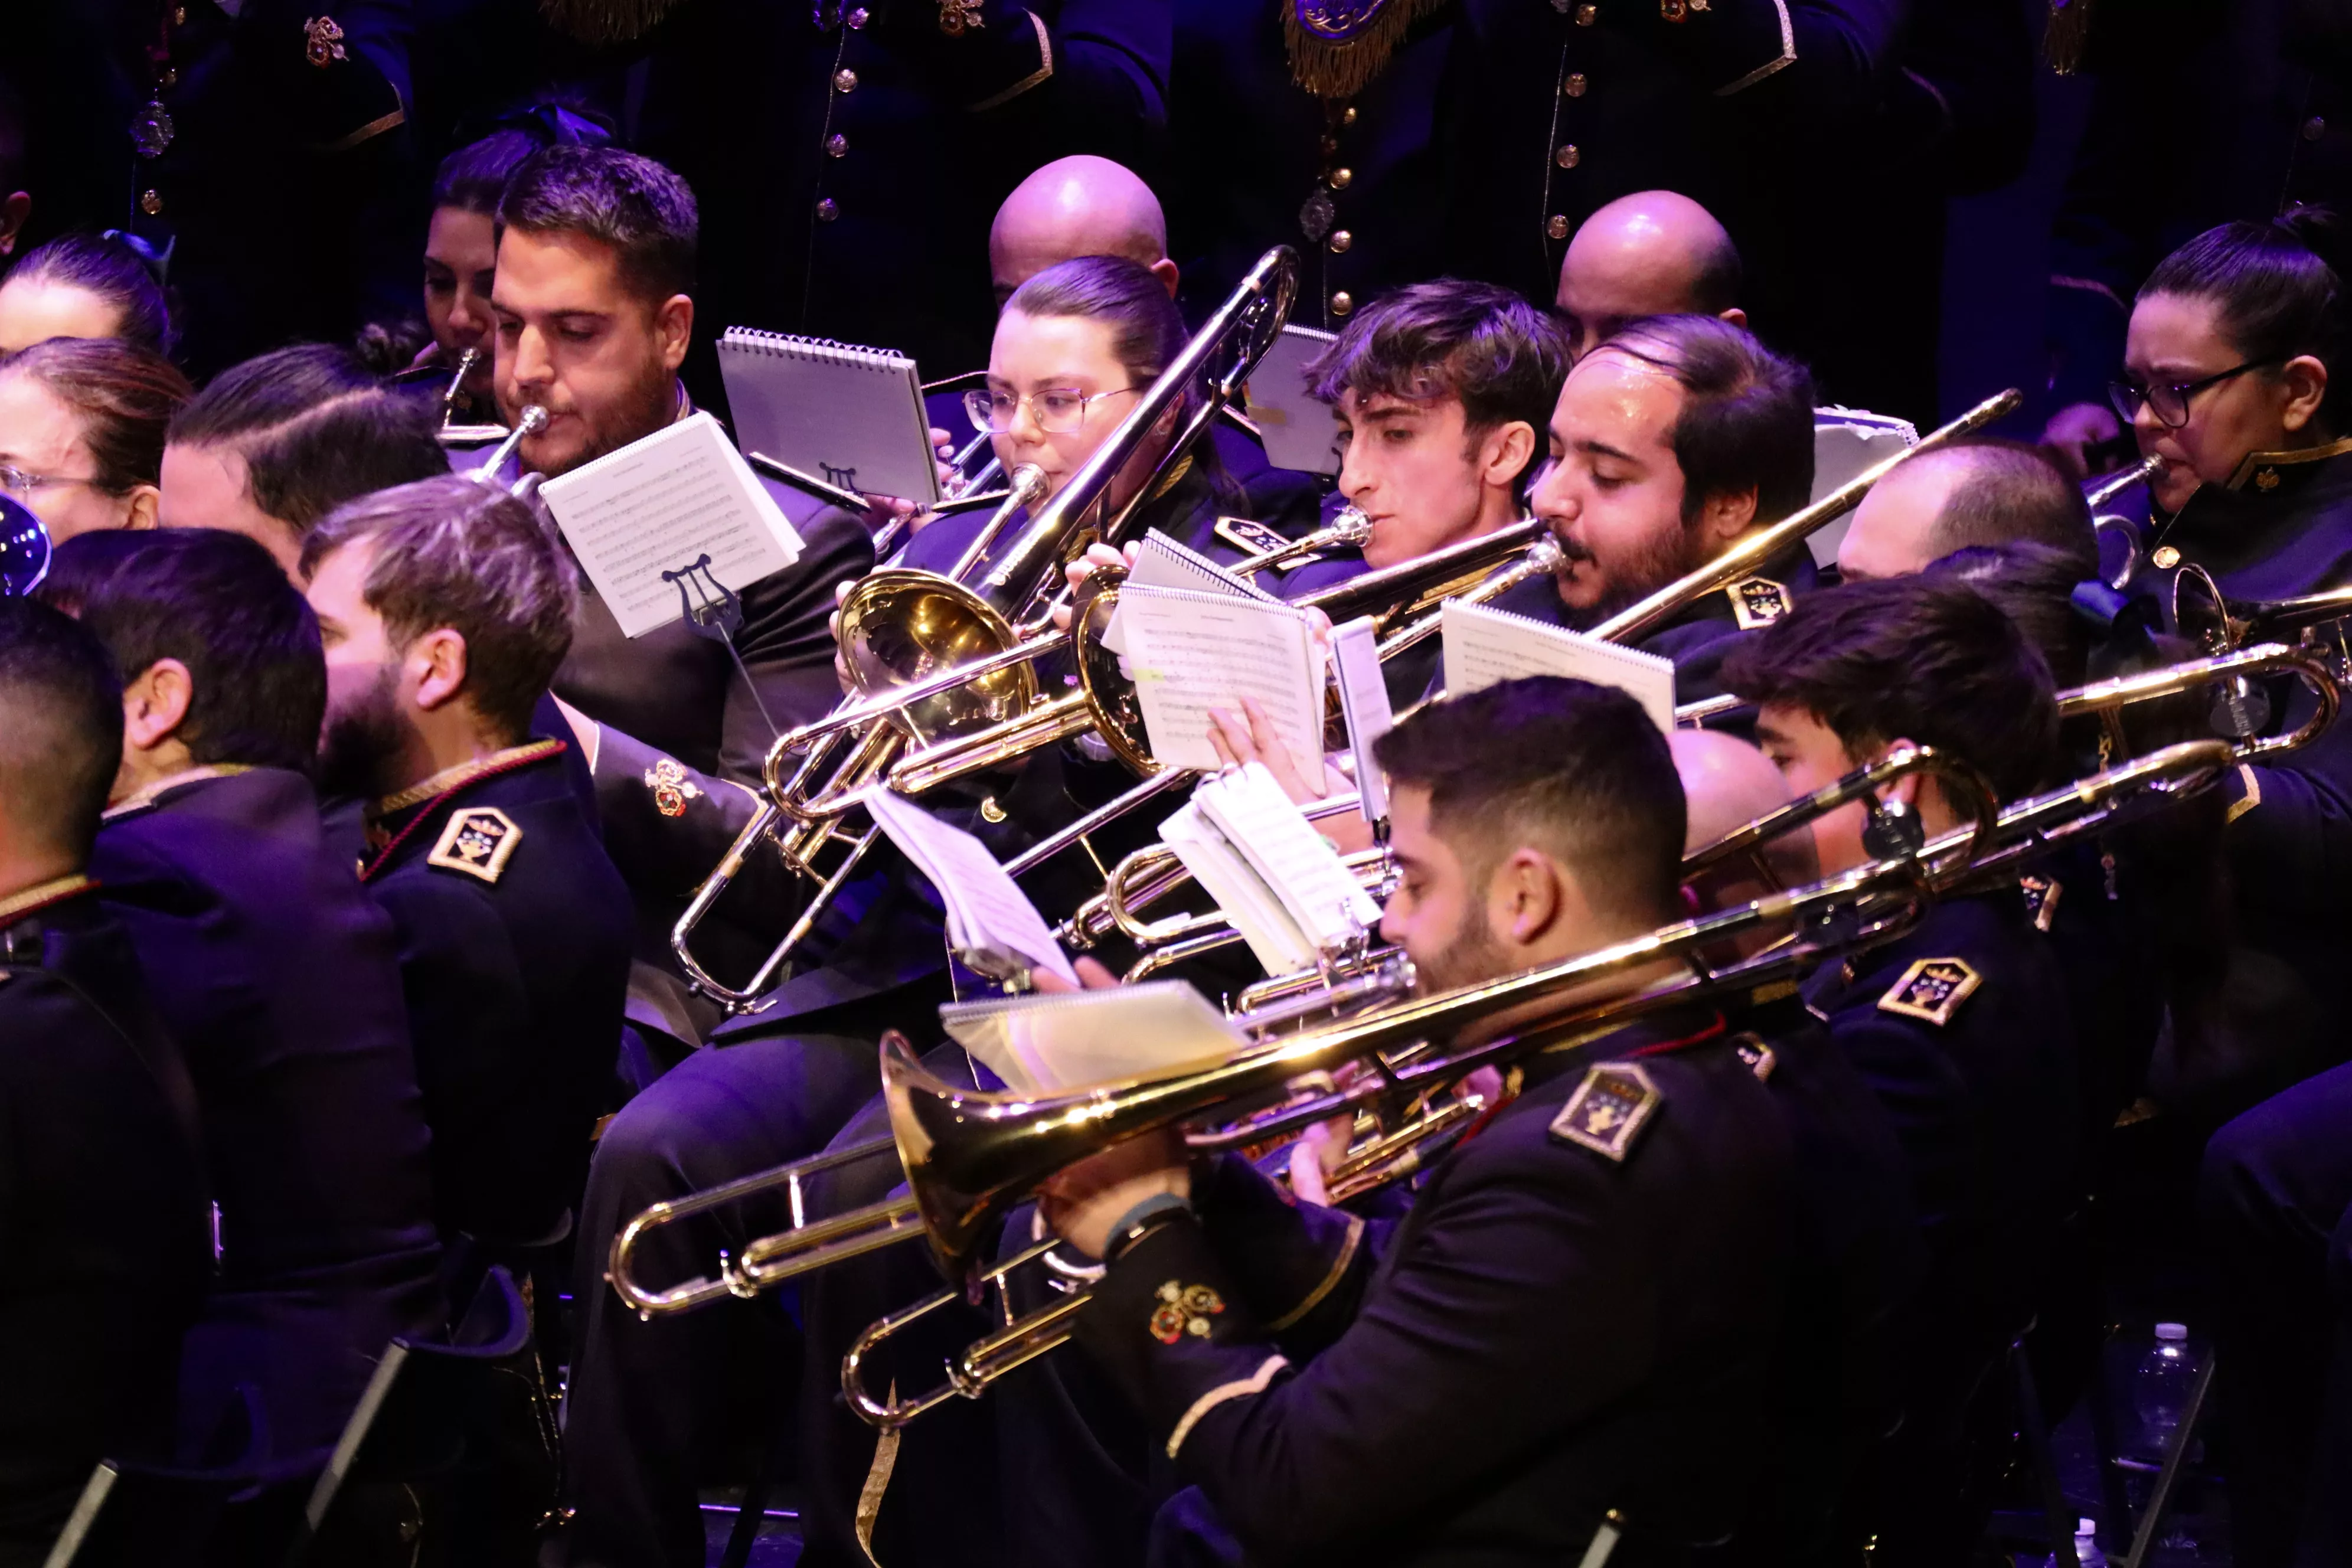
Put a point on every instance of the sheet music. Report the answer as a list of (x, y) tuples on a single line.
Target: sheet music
[(659, 505), (1045, 1042), (1364, 698), (844, 412), (990, 921), (1484, 644), (1164, 562), (1320, 894), (1190, 652), (1253, 908)]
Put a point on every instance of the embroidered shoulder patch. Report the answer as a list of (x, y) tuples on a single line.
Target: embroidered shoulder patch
[(1609, 1109), (478, 841), (1254, 538), (1758, 602), (1756, 1053), (2041, 898), (1181, 1310), (1933, 989), (672, 789)]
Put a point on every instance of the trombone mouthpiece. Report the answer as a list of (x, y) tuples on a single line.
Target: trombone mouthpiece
[(1028, 483), (533, 420), (1545, 555), (1350, 526)]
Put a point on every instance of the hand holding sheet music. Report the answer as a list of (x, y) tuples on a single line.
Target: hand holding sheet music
[(1280, 882), (1190, 652)]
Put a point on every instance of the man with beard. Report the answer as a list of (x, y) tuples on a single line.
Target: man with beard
[(444, 609), (596, 259), (274, 971), (1671, 442), (1559, 1344)]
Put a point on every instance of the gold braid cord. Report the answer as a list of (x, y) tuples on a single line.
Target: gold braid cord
[(1330, 69)]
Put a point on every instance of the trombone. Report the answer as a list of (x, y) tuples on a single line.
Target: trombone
[(2102, 524), (932, 655), (1376, 978)]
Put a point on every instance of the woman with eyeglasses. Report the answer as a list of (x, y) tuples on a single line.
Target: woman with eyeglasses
[(2230, 380), (1075, 347), (82, 422)]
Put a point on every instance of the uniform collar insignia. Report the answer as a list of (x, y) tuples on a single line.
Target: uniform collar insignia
[(449, 780), (478, 841), (1932, 989), (1256, 539), (2262, 469), (672, 786), (2041, 898), (1758, 602), (155, 793), (1608, 1109), (40, 896)]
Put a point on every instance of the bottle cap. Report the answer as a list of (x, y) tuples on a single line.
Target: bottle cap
[(2172, 1330)]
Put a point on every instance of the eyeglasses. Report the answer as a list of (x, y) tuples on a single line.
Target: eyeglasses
[(2171, 401), (17, 482), (1058, 410)]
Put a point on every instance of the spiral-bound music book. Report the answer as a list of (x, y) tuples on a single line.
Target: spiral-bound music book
[(852, 416)]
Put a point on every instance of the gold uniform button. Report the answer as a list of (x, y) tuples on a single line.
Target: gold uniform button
[(827, 210), (1342, 178), (1348, 115), (1342, 302), (1568, 156), (2165, 557), (179, 16), (1574, 85), (844, 81), (1340, 241), (167, 78), (151, 203), (2315, 128), (836, 145), (1558, 226), (1587, 15)]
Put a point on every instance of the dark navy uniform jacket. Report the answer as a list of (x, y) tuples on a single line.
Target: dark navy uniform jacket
[(514, 954), (281, 979), (1963, 1031), (2283, 527), (848, 155), (280, 179), (1493, 130), (103, 1214), (1573, 1317)]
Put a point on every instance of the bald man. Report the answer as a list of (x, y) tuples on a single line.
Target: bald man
[(1077, 206), (1855, 1251), (1982, 494), (1653, 253)]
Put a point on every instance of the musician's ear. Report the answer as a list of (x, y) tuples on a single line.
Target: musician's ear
[(1530, 895), (2305, 379), (1504, 452), (1724, 515), (673, 328)]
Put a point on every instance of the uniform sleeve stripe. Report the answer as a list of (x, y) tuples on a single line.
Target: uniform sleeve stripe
[(1045, 69), (2247, 801), (1339, 1267), (1254, 1384)]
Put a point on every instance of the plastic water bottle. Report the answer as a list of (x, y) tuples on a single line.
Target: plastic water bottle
[(2161, 1393), (2086, 1545)]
